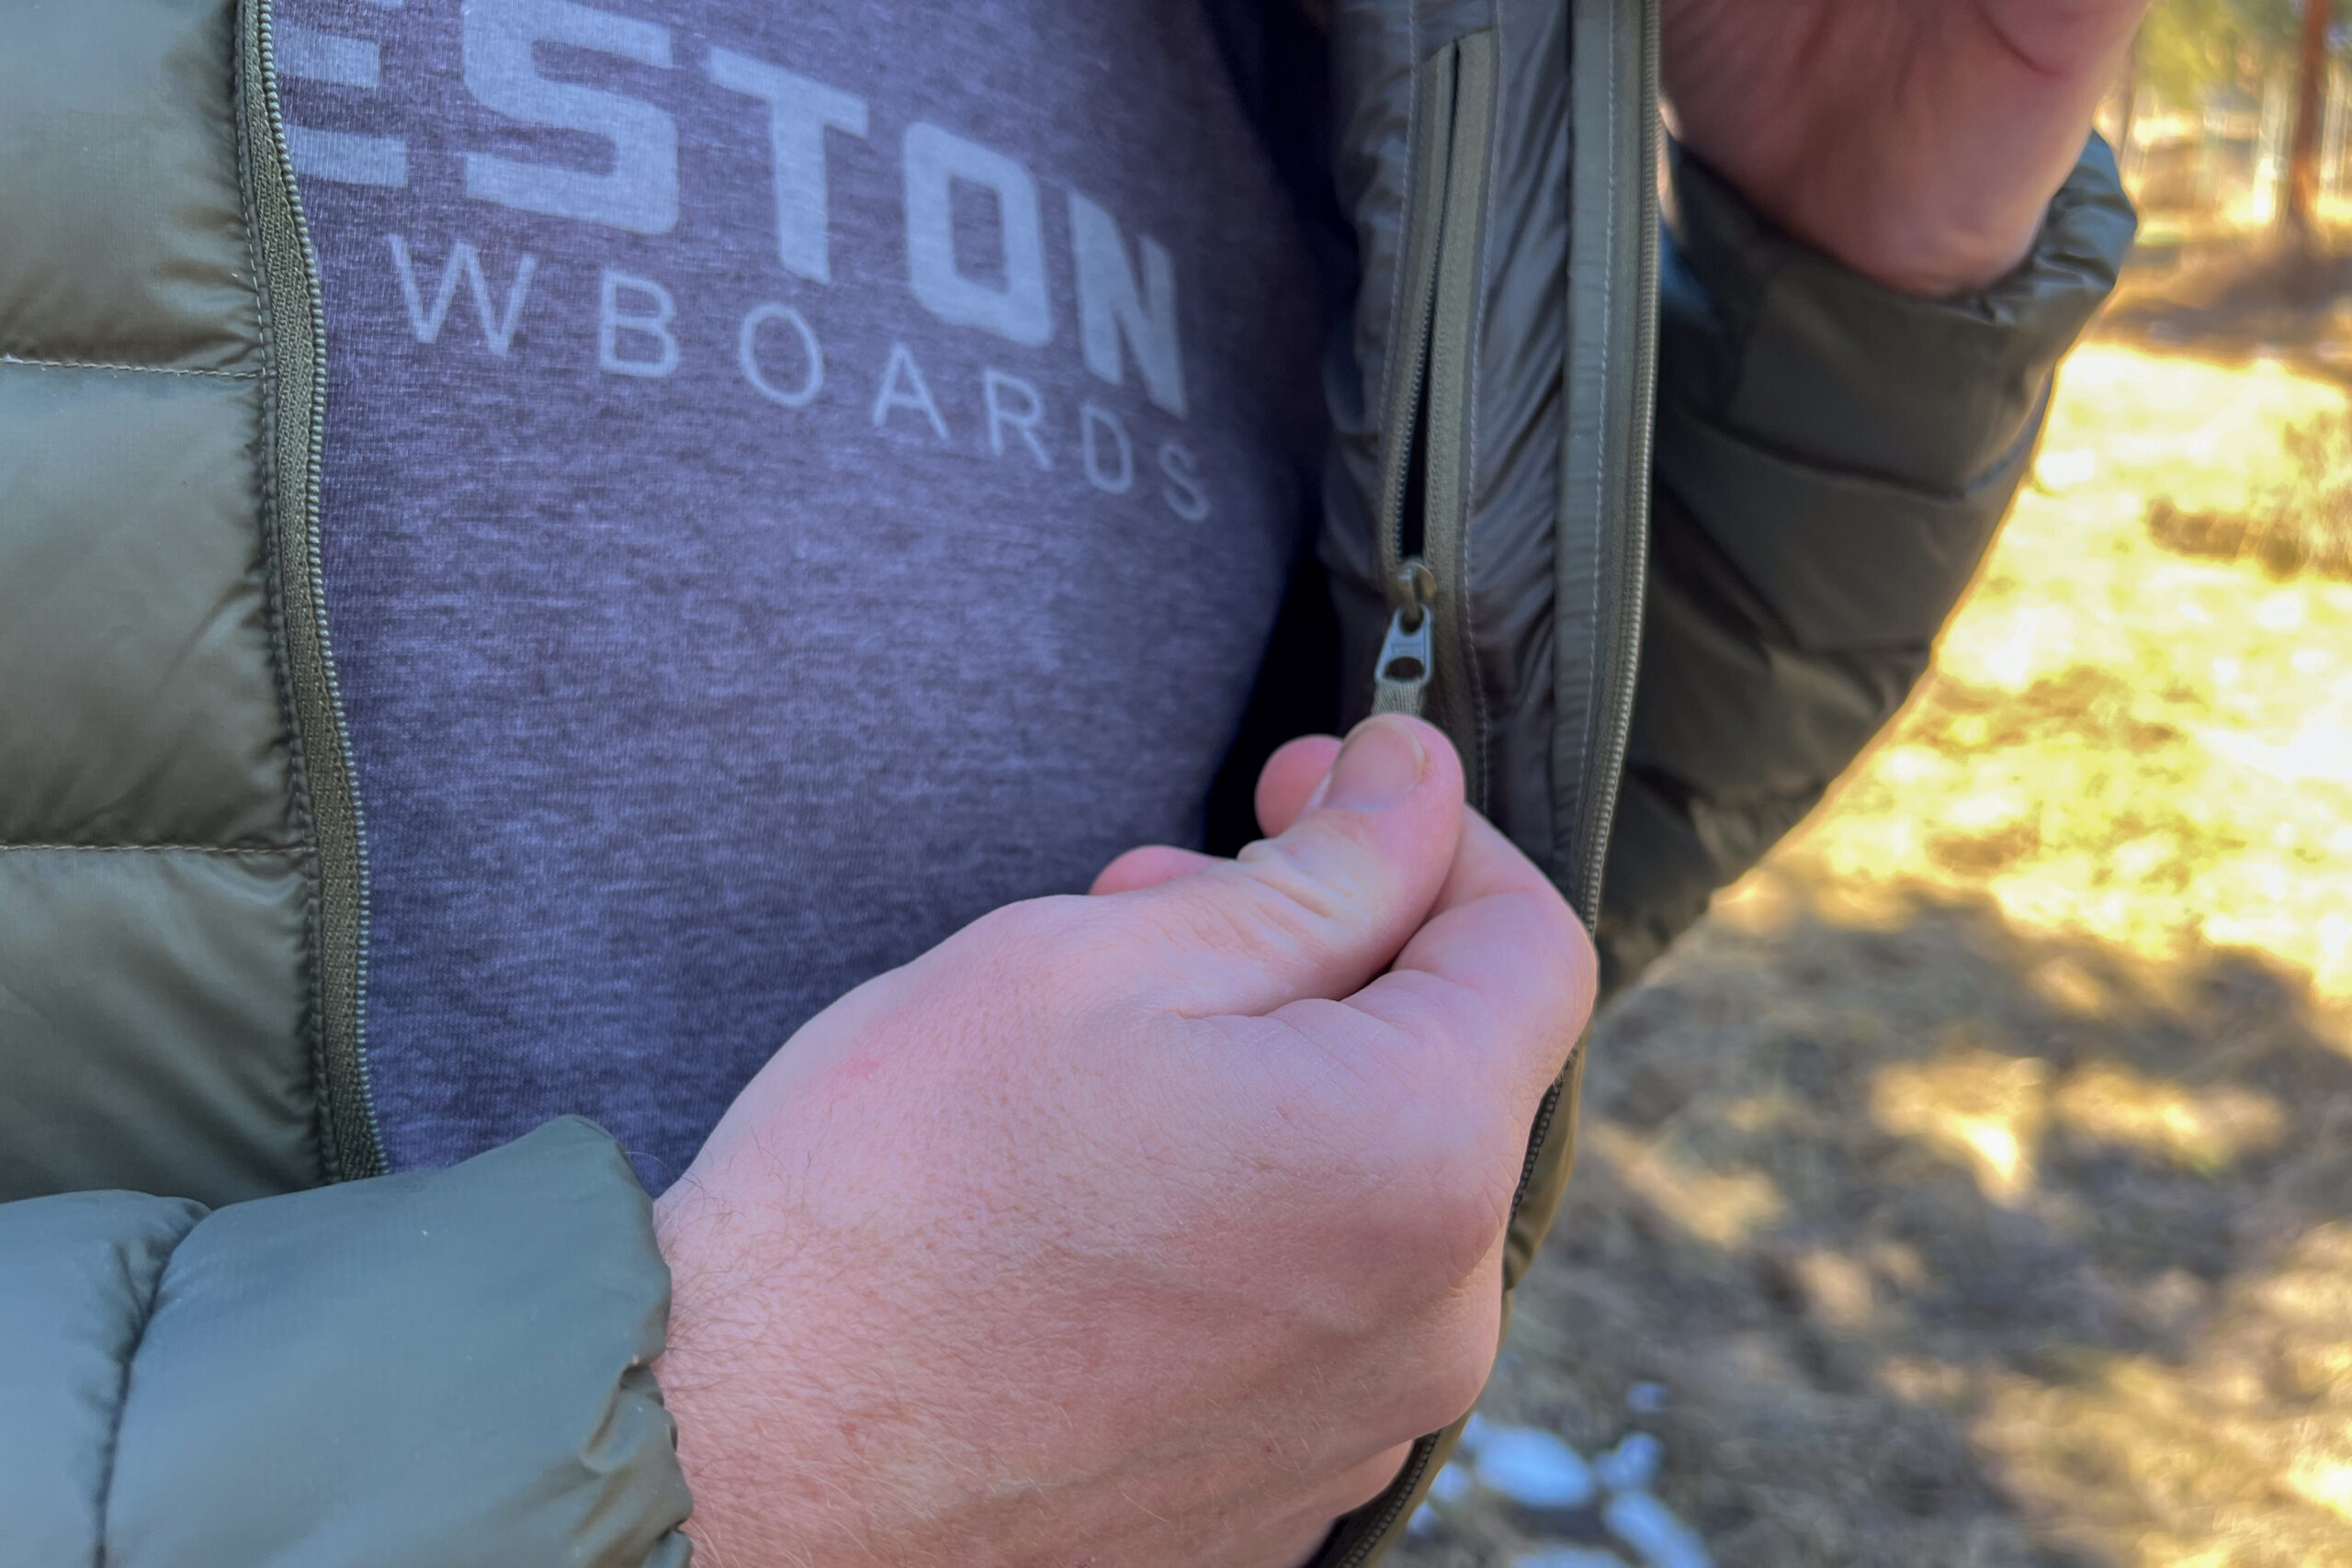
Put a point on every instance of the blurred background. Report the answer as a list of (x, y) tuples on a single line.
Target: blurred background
[(1974, 1186)]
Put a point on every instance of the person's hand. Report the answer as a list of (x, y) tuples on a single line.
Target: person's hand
[(1915, 140), (1144, 1228)]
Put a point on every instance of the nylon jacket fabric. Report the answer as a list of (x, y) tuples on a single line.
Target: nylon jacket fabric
[(157, 882), (340, 1376), (230, 1341), (1833, 459), (212, 1357)]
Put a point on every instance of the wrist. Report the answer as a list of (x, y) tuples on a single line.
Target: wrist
[(1903, 232), (1930, 256), (715, 1345)]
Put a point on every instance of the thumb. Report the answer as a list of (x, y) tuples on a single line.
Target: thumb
[(1324, 907)]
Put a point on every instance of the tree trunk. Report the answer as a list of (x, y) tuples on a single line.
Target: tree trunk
[(2301, 211)]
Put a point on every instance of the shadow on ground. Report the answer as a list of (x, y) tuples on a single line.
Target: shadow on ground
[(1976, 1181), (1952, 1246), (2238, 301)]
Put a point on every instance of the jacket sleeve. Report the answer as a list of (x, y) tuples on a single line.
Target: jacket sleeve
[(1833, 458), (434, 1369)]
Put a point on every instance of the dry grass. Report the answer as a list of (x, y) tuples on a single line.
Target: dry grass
[(1978, 1181)]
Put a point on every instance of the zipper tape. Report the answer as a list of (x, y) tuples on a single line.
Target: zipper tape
[(326, 785), (1425, 663)]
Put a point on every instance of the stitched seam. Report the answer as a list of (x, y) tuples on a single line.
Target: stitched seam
[(140, 369), (286, 850), (252, 85), (122, 1393), (1379, 406), (1480, 720), (1600, 476)]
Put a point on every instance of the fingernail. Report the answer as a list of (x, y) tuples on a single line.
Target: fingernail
[(1377, 767)]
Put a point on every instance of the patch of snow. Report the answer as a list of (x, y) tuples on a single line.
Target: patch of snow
[(1535, 1469), (1568, 1557), (1649, 1527), (1631, 1465)]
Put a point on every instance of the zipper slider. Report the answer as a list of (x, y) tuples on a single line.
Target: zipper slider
[(1401, 680)]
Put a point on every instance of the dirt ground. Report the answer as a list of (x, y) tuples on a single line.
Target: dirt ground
[(1976, 1183)]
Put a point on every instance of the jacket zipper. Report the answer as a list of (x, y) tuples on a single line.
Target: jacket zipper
[(1630, 397), (1423, 667), (326, 784), (1629, 175)]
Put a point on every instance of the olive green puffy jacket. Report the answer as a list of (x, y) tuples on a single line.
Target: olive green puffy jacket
[(226, 1337)]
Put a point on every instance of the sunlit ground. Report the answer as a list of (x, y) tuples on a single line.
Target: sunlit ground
[(1978, 1181), (2126, 744)]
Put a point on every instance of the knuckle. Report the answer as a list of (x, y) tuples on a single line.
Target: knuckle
[(1312, 902), (1045, 948), (1216, 916), (1419, 1158), (1271, 915), (1449, 1382), (1364, 1485), (1433, 1218), (1163, 941), (1462, 1217), (1016, 934), (1574, 963)]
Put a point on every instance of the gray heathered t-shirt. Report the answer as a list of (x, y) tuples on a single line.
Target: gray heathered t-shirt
[(797, 476)]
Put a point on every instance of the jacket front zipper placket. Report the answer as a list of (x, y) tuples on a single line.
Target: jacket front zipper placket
[(1632, 398), (1610, 36), (326, 784), (1609, 54), (1423, 496)]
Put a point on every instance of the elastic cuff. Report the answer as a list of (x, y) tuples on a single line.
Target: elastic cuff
[(1778, 345)]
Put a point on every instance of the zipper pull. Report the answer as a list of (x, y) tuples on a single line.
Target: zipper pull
[(1401, 679)]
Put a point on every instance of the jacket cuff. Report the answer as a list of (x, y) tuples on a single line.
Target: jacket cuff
[(443, 1368), (1774, 342), (1808, 415), (1833, 458)]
